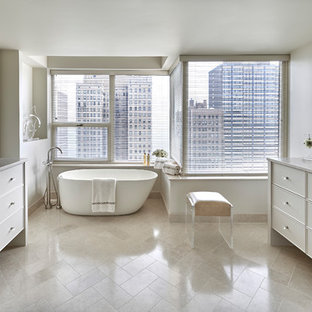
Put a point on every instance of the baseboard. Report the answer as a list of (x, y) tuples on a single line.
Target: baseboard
[(35, 206), (237, 218), (154, 195)]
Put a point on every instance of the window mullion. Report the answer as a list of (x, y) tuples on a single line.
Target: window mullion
[(111, 130), (284, 110), (81, 124), (185, 117)]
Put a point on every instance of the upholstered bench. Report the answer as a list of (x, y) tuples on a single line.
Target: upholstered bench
[(208, 204)]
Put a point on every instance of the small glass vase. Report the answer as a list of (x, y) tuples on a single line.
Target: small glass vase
[(309, 155)]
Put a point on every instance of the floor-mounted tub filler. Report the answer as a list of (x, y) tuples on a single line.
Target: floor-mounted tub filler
[(51, 185), (132, 189)]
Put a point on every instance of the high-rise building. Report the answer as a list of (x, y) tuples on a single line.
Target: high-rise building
[(121, 120), (205, 135), (248, 94), (139, 116), (92, 98), (132, 117), (61, 106), (62, 114)]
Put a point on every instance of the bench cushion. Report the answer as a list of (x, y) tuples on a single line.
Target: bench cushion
[(209, 204)]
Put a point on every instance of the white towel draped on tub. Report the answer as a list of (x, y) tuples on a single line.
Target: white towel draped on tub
[(103, 195)]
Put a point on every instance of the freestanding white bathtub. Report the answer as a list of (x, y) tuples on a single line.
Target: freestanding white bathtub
[(132, 189)]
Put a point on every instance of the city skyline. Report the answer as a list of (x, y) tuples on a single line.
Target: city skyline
[(244, 99), (140, 118)]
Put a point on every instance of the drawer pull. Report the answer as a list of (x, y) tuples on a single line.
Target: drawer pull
[(12, 228), (286, 203), (12, 204), (286, 178), (286, 227), (11, 179)]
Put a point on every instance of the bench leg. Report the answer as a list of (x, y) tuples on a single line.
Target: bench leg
[(193, 227), (190, 236), (230, 241)]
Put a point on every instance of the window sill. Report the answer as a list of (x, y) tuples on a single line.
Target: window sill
[(106, 165), (217, 177)]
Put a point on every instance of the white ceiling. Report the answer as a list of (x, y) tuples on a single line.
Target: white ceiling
[(154, 28)]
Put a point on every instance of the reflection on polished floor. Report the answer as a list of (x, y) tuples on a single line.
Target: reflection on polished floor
[(141, 262)]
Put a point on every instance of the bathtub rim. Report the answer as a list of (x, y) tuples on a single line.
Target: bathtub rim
[(154, 175)]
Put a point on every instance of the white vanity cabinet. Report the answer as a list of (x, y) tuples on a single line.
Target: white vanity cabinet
[(13, 203), (290, 203)]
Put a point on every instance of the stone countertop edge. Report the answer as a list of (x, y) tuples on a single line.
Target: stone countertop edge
[(295, 162), (6, 163)]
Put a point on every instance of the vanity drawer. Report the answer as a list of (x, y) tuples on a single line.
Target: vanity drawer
[(289, 178), (291, 229), (10, 179), (288, 202), (309, 215), (11, 202), (10, 227), (309, 244), (310, 186)]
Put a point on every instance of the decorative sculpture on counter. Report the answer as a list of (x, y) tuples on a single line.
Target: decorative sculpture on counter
[(31, 124)]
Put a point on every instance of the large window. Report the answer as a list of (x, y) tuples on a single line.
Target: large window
[(81, 115), (233, 116), (86, 120)]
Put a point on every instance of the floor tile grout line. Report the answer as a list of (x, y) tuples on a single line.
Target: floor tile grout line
[(133, 297), (231, 303), (140, 290), (291, 276), (280, 305), (73, 297)]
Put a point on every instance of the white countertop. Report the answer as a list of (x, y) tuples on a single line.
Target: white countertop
[(299, 163), (6, 163)]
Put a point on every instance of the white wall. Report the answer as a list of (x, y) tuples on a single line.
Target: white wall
[(40, 97), (16, 101), (26, 99), (248, 195), (34, 151), (10, 130), (300, 100), (106, 62)]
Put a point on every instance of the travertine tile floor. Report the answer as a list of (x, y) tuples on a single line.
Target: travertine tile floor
[(141, 262)]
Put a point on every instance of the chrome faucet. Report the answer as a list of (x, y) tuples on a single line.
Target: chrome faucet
[(47, 195), (49, 158)]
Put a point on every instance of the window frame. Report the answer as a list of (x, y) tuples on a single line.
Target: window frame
[(172, 110), (109, 125), (283, 121)]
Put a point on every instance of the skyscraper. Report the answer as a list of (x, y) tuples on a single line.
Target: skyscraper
[(139, 116), (121, 120), (132, 117), (61, 111), (248, 94), (92, 98), (205, 136)]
